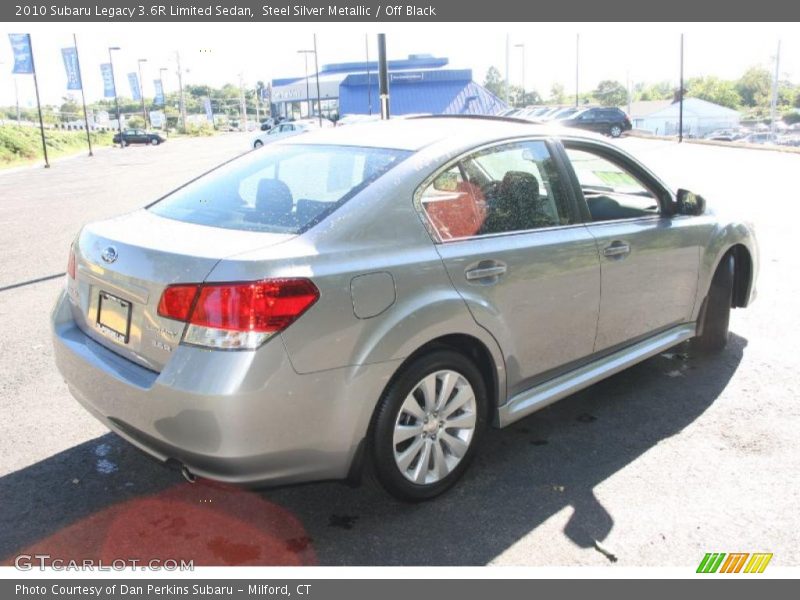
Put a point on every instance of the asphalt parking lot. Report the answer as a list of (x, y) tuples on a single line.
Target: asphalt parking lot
[(676, 457)]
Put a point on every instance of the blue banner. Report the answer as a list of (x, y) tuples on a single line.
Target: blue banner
[(159, 97), (71, 65), (23, 56), (109, 89), (209, 111), (133, 80)]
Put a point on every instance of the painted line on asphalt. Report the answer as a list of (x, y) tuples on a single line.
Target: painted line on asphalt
[(31, 282)]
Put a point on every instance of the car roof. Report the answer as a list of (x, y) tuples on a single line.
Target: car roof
[(419, 132)]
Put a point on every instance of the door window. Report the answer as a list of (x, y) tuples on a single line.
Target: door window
[(611, 191), (503, 189)]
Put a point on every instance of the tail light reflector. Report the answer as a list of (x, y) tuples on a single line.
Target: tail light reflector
[(237, 315)]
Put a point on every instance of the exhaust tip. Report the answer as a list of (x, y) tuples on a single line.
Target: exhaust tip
[(187, 474)]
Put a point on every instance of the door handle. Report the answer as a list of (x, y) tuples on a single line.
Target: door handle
[(485, 272), (617, 249)]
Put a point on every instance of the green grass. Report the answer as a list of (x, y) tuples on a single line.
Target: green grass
[(21, 145)]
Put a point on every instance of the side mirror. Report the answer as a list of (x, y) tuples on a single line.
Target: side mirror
[(690, 203)]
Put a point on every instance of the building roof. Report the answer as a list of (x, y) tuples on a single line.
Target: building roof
[(644, 108), (692, 107), (417, 133), (447, 92)]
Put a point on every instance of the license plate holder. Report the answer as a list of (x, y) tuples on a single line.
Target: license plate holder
[(114, 317)]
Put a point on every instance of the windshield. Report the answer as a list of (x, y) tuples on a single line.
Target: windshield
[(282, 188)]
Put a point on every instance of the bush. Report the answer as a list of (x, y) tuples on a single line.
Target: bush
[(202, 130), (19, 144)]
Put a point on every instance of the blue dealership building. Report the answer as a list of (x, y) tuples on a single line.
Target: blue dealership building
[(420, 83)]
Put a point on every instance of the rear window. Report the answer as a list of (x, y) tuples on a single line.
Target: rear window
[(281, 188)]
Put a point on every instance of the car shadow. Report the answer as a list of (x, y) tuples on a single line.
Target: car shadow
[(106, 500)]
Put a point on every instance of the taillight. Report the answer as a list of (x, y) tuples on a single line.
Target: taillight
[(237, 315), (71, 263)]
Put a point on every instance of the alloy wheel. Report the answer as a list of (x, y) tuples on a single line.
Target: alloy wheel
[(434, 427)]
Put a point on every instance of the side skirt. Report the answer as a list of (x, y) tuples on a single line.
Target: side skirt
[(550, 391)]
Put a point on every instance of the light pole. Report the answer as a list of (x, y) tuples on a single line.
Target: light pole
[(522, 47), (316, 69), (305, 54), (577, 63), (116, 98), (141, 90)]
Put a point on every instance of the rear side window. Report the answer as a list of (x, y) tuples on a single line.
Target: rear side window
[(280, 188), (503, 189)]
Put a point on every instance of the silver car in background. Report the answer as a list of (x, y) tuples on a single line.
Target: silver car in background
[(380, 294)]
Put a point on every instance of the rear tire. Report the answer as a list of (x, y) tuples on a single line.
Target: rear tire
[(717, 310), (257, 144), (428, 425), (615, 131)]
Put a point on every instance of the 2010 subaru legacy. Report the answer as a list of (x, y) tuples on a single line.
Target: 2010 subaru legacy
[(375, 296)]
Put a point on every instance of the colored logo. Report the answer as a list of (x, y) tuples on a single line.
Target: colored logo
[(735, 562)]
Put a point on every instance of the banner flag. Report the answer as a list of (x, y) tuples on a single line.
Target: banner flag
[(23, 55), (71, 65), (109, 89), (159, 97), (136, 93)]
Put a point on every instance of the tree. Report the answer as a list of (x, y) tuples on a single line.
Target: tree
[(495, 83), (69, 109), (713, 89), (656, 91), (610, 93), (557, 94), (755, 87)]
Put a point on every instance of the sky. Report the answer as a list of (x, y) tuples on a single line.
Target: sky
[(217, 53)]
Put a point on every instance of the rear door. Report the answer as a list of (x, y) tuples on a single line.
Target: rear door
[(511, 240), (649, 260)]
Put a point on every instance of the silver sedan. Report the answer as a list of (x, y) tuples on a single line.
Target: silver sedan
[(381, 294)]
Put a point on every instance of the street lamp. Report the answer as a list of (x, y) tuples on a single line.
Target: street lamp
[(305, 54), (522, 46), (141, 90), (116, 97)]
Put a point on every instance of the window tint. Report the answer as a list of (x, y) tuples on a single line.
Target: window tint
[(503, 189), (588, 115), (283, 188), (611, 191)]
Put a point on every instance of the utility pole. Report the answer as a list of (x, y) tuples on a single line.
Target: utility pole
[(258, 112), (383, 76), (522, 47), (508, 51), (243, 105), (369, 85), (774, 104), (141, 91), (577, 65), (305, 54), (316, 68), (182, 102), (680, 99), (628, 88)]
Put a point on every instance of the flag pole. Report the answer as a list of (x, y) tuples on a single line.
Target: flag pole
[(83, 94), (38, 104)]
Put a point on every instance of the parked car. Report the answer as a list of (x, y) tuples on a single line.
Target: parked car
[(383, 293), (725, 135), (284, 130), (761, 137), (138, 136), (609, 121)]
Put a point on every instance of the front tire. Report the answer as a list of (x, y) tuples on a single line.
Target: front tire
[(717, 310), (155, 142), (257, 144), (123, 143), (428, 425)]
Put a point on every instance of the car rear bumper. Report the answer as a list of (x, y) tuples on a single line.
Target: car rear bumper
[(240, 417)]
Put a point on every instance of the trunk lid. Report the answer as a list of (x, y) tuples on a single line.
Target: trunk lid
[(123, 266)]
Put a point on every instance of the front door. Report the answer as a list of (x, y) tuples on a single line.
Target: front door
[(649, 260), (512, 242)]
